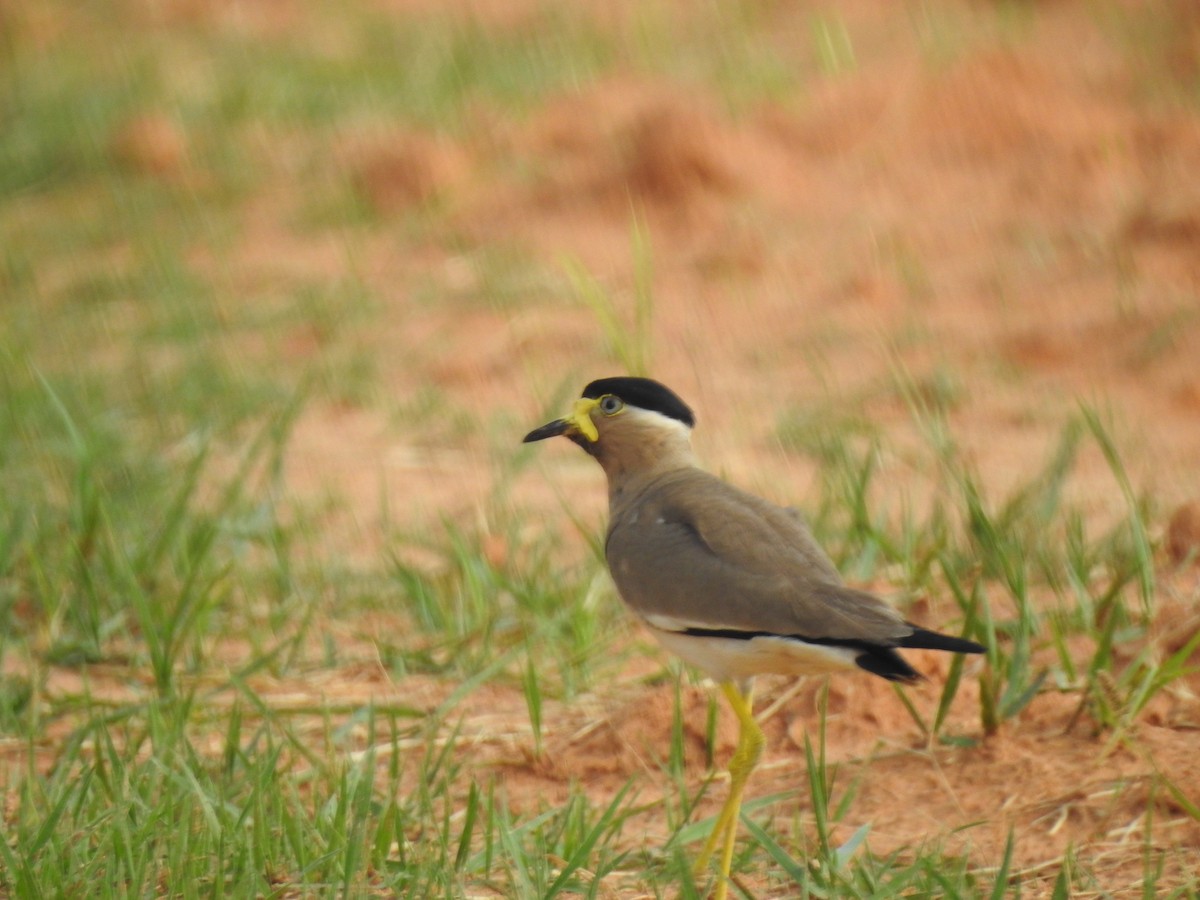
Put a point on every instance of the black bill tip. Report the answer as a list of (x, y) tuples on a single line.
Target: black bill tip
[(549, 430)]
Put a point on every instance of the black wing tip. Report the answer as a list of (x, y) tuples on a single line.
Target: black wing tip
[(923, 639), (887, 663), (878, 659)]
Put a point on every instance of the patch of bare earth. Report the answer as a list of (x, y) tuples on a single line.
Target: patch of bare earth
[(1016, 215)]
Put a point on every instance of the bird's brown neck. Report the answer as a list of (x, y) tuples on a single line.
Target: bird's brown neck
[(634, 460)]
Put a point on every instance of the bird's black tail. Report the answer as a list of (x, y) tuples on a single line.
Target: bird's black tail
[(887, 663), (921, 639)]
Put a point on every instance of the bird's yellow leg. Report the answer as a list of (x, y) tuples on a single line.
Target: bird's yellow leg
[(745, 758)]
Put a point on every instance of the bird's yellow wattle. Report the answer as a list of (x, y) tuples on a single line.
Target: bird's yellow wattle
[(581, 418)]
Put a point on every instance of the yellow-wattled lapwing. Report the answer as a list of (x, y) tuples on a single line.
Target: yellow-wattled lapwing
[(733, 584)]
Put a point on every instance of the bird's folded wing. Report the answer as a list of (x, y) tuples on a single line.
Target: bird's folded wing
[(730, 565)]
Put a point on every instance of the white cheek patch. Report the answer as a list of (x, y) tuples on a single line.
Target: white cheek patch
[(658, 421)]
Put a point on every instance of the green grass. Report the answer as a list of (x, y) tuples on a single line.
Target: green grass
[(992, 555), (199, 780), (629, 336), (183, 705)]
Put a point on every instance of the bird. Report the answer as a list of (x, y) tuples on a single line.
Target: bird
[(734, 585)]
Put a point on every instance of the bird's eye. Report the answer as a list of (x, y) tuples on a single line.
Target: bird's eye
[(610, 404)]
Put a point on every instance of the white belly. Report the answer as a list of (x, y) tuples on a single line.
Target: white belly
[(733, 659)]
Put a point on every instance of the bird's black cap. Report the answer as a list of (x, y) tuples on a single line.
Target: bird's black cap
[(644, 393)]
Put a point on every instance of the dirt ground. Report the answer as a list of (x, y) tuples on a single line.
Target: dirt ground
[(1019, 215), (1025, 219)]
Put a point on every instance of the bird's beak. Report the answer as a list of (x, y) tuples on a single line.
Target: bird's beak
[(578, 424)]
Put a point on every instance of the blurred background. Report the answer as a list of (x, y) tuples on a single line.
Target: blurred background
[(429, 222), (282, 285)]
